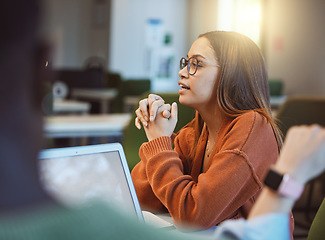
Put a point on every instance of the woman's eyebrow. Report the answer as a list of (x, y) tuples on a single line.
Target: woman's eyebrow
[(197, 55)]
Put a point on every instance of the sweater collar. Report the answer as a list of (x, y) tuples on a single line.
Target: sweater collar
[(200, 150)]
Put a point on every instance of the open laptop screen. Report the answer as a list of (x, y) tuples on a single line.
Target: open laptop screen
[(78, 174)]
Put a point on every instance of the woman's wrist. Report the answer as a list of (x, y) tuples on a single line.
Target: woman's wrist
[(292, 171), (157, 145)]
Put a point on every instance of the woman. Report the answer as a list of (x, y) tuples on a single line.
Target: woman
[(216, 168)]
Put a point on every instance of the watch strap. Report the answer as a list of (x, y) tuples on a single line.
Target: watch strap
[(290, 188)]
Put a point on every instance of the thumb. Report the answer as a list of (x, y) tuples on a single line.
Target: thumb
[(174, 112)]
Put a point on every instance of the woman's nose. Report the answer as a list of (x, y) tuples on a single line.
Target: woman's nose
[(183, 73)]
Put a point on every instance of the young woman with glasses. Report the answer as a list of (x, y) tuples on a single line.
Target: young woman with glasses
[(212, 169)]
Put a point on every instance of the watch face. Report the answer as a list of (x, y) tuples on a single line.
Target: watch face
[(273, 179)]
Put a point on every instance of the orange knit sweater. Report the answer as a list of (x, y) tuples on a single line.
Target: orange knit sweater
[(166, 179)]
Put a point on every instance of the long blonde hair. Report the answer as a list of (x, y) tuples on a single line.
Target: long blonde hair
[(242, 83)]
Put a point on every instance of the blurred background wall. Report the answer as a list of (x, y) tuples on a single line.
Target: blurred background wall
[(294, 39), (292, 34)]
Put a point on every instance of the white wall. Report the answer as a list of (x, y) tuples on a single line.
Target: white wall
[(202, 18), (74, 34), (128, 53), (295, 49)]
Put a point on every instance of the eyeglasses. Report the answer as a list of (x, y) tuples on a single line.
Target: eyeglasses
[(192, 64)]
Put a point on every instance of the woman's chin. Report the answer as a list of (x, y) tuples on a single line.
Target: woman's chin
[(184, 101)]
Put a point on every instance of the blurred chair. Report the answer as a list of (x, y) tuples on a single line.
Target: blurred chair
[(317, 230), (74, 78), (112, 80), (95, 62), (128, 93), (301, 110), (276, 87), (132, 90), (304, 110), (79, 78), (133, 138)]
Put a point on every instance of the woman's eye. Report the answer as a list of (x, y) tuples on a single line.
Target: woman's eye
[(198, 64)]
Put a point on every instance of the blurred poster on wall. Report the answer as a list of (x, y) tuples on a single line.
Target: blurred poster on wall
[(153, 37), (160, 60)]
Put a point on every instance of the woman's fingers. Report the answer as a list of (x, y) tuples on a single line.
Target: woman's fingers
[(166, 114), (174, 111), (155, 107), (143, 107), (153, 97), (154, 102), (137, 123), (149, 108), (165, 110), (140, 117)]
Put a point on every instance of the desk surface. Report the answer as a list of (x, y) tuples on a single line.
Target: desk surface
[(100, 94), (104, 96), (70, 106), (86, 125)]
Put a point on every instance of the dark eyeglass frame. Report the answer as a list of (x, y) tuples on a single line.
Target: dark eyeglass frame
[(184, 62)]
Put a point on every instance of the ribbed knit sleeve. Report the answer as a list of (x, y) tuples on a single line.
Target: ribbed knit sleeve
[(152, 148), (147, 198)]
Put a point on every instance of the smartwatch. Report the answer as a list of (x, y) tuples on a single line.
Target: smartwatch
[(284, 185)]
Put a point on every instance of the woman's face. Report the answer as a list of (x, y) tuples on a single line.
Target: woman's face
[(198, 90)]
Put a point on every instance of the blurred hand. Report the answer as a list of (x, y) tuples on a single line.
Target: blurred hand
[(303, 153)]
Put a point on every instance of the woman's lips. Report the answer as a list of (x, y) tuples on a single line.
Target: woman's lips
[(184, 86)]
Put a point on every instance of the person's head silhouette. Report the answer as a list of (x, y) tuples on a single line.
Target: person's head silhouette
[(22, 62)]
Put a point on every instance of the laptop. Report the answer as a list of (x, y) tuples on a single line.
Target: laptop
[(75, 175)]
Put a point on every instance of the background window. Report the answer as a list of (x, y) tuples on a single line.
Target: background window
[(243, 16)]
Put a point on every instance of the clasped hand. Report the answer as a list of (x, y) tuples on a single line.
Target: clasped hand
[(158, 119)]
